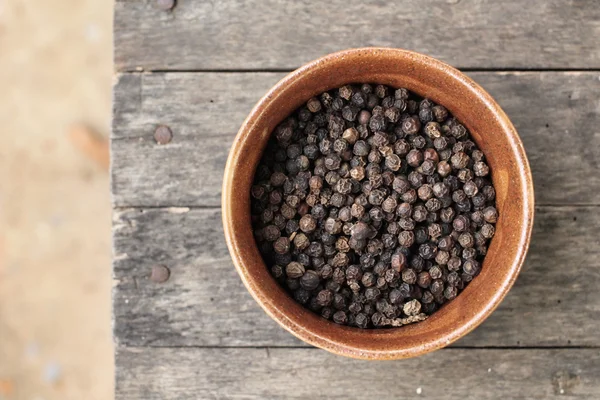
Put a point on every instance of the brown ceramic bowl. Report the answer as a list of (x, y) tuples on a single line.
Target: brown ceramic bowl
[(490, 128)]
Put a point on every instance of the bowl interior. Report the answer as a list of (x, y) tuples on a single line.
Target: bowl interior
[(489, 127)]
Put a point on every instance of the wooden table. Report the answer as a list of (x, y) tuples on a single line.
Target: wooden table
[(200, 67)]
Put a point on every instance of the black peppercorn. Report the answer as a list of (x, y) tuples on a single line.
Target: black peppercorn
[(409, 276), (282, 245), (454, 263), (470, 189), (404, 210), (377, 123), (424, 279), (416, 179), (439, 113), (464, 175), (466, 240), (478, 201), (393, 162), (458, 131), (401, 185), (487, 231), (440, 143), (425, 192), (433, 205), (301, 295), (388, 102), (418, 142), (460, 223), (361, 148), (471, 267), (490, 215), (310, 280), (318, 211), (359, 99), (349, 113), (480, 168), (294, 270), (308, 223), (411, 125), (431, 154), (412, 307), (345, 92), (432, 129), (414, 158), (340, 317), (427, 251), (406, 224), (489, 192), (434, 230), (450, 292), (326, 312)]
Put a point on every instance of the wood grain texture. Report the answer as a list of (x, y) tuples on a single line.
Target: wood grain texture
[(557, 115), (555, 301), (274, 34), (189, 326), (150, 373)]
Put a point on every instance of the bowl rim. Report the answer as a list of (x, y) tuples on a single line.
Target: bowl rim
[(236, 248)]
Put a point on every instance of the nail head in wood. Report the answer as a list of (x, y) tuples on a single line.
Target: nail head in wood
[(160, 274), (163, 134)]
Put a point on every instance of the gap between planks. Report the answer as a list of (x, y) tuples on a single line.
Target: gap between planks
[(288, 70), (126, 347)]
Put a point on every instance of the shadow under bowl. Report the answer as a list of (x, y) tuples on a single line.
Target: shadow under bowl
[(490, 129)]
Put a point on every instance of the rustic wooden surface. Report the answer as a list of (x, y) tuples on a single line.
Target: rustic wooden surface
[(279, 34), (199, 69), (554, 302), (555, 113), (485, 374)]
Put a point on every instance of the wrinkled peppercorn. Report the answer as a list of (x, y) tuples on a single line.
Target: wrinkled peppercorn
[(294, 270), (414, 158), (310, 280), (308, 223), (412, 307), (409, 276), (490, 215)]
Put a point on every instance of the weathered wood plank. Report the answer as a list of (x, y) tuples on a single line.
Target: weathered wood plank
[(196, 373), (557, 115), (261, 34), (555, 301)]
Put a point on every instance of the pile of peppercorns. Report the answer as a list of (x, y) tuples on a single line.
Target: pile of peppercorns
[(372, 206)]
